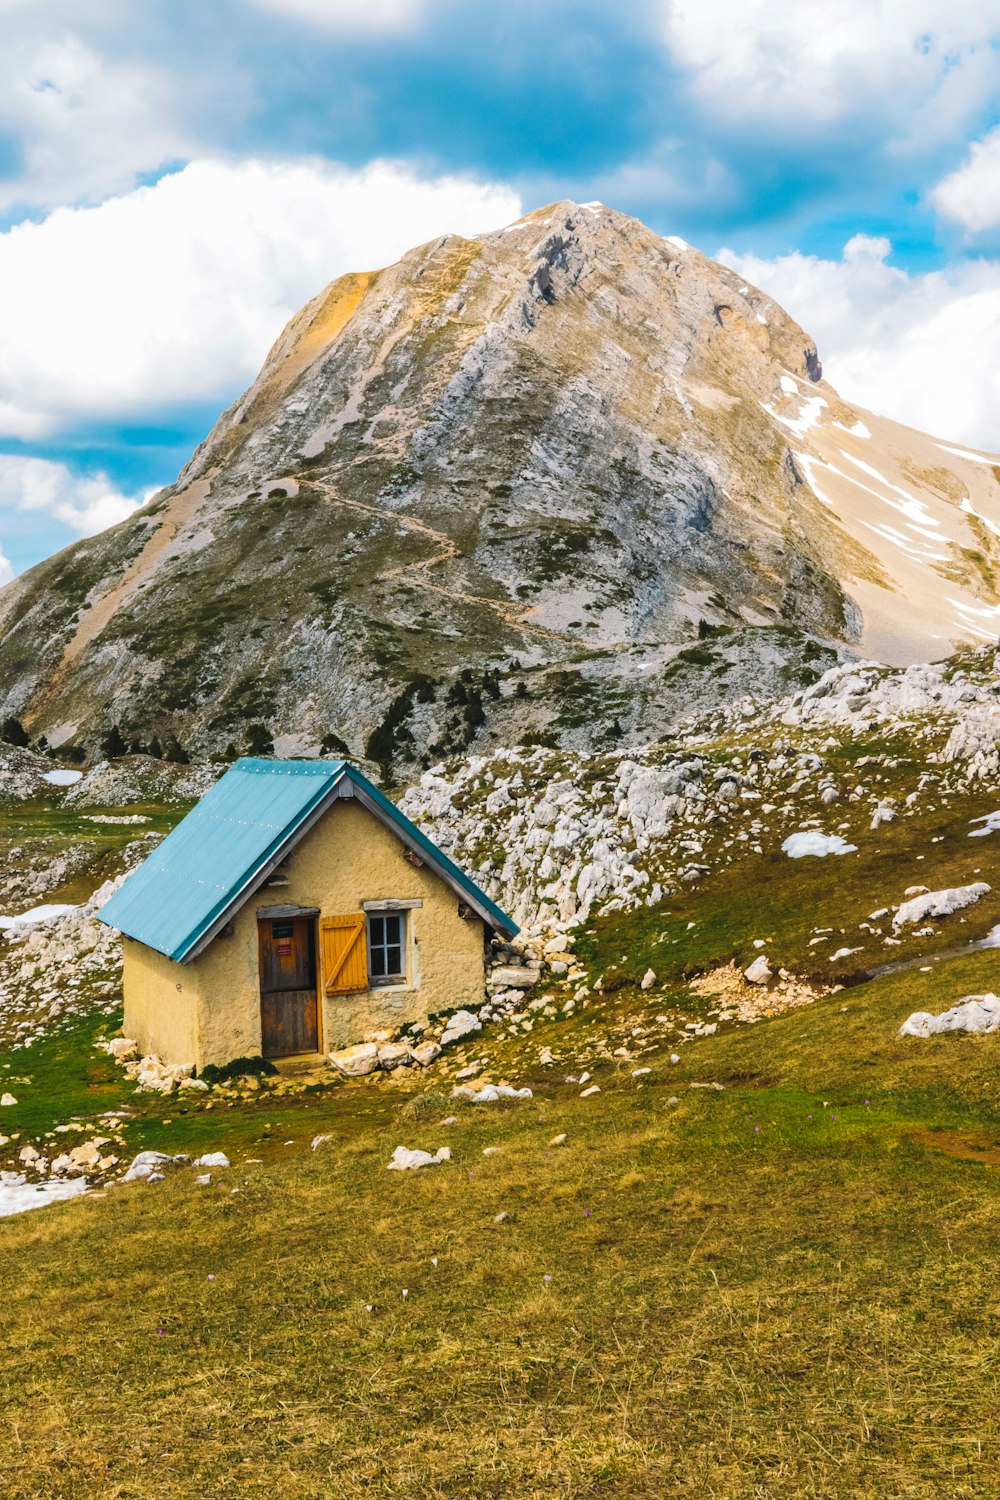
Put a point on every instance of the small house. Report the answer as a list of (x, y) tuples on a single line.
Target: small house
[(294, 910)]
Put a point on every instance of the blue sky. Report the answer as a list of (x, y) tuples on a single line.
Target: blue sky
[(177, 178)]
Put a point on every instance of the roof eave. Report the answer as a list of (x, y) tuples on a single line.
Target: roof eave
[(347, 782), (437, 860)]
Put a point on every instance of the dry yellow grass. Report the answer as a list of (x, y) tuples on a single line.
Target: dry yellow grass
[(745, 1294)]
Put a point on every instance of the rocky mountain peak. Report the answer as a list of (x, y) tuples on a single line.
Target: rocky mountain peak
[(567, 480)]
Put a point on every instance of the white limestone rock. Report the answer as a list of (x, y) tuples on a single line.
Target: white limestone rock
[(393, 1055), (146, 1164), (940, 903), (514, 977), (463, 1023), (405, 1159), (424, 1053), (759, 972), (490, 1093), (975, 1013), (357, 1061), (122, 1048)]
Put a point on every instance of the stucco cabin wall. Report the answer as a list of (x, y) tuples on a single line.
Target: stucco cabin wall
[(161, 1004), (348, 858)]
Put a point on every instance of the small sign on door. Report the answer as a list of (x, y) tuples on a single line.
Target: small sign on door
[(281, 936)]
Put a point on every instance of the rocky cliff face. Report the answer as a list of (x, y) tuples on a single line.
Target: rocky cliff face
[(567, 482)]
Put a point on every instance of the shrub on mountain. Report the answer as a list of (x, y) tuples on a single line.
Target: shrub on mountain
[(332, 744), (13, 732), (259, 742), (113, 747)]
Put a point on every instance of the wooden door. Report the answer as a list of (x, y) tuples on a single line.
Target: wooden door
[(289, 1007)]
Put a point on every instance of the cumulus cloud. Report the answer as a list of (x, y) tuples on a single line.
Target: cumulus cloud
[(84, 124), (922, 348), (348, 15), (6, 571), (85, 505), (172, 294), (758, 58), (971, 194)]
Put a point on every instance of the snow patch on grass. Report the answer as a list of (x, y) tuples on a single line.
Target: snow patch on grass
[(812, 842)]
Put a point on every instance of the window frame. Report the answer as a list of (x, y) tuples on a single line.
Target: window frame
[(400, 978)]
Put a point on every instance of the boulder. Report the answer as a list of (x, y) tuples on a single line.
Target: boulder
[(146, 1164), (155, 1076), (759, 971), (940, 903), (213, 1159), (882, 814), (393, 1055), (462, 1023), (424, 1053), (976, 1013), (87, 1154), (356, 1061), (406, 1160), (122, 1048), (514, 977), (490, 1093)]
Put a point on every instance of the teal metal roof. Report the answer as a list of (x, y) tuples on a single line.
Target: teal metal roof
[(216, 857)]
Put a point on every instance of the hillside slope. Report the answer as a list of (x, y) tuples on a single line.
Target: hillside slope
[(495, 490)]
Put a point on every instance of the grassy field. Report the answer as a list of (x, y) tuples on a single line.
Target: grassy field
[(783, 901), (785, 1287), (33, 834)]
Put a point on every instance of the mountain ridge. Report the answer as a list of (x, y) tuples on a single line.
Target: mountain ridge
[(499, 489)]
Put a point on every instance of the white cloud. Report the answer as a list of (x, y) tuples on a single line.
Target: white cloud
[(85, 125), (923, 349), (85, 505), (971, 194), (818, 64), (348, 15), (6, 571), (173, 293)]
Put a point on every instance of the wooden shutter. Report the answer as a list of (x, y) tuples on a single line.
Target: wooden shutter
[(345, 957)]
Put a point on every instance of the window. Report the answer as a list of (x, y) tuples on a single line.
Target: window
[(386, 935)]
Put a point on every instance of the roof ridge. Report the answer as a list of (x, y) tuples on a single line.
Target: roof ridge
[(211, 864), (260, 765)]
